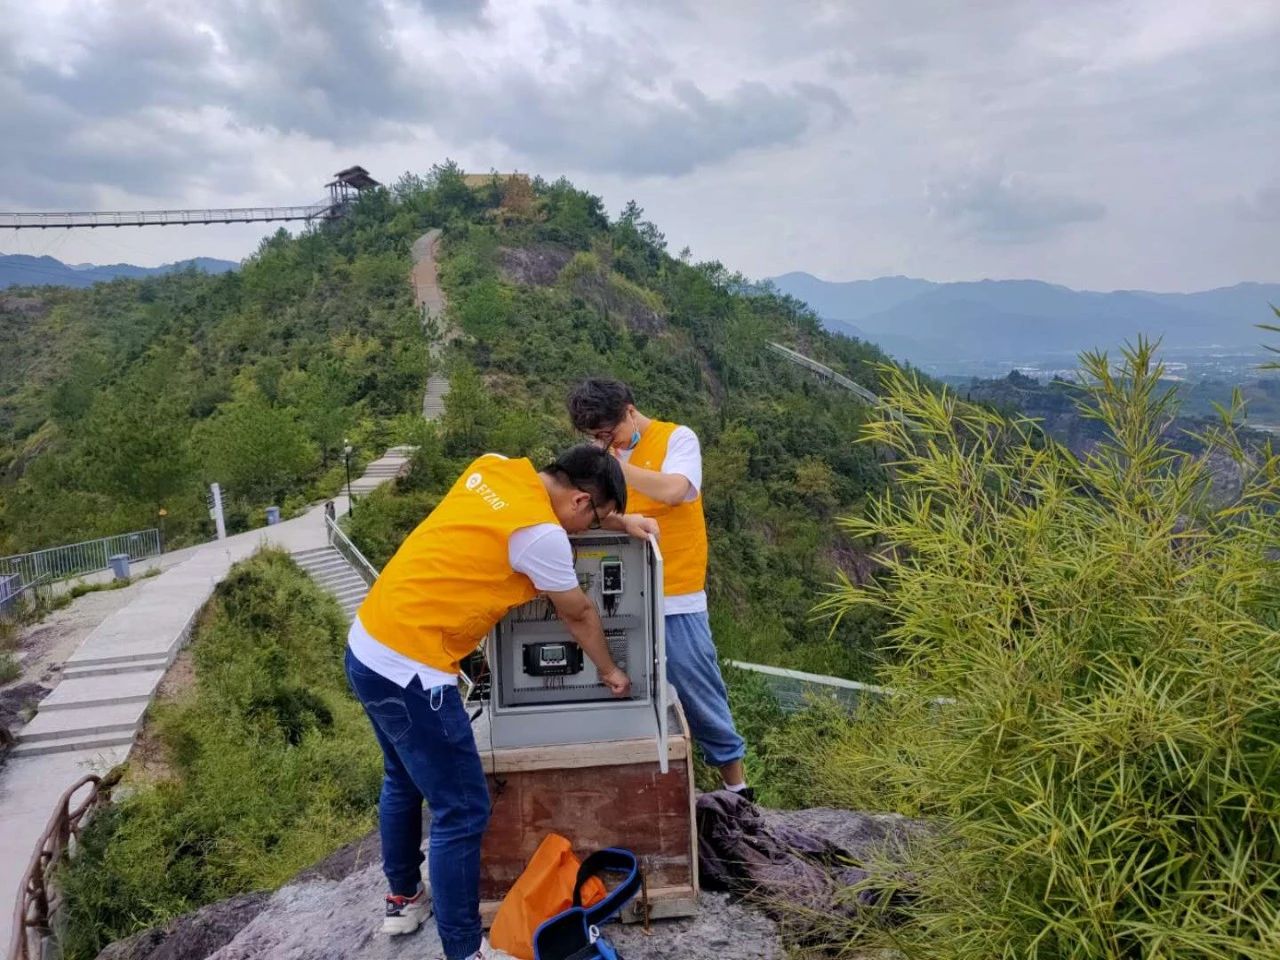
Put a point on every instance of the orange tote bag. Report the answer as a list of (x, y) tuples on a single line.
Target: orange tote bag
[(544, 889)]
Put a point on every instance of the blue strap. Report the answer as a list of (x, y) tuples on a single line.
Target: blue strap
[(609, 860), (567, 935)]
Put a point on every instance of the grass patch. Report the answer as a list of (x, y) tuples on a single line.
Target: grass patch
[(272, 766), (81, 589), (9, 669)]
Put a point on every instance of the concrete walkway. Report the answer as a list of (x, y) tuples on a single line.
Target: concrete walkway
[(88, 723)]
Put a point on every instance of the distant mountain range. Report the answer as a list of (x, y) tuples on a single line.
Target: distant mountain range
[(922, 321), (19, 270)]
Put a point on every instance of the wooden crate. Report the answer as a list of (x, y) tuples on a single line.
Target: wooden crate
[(597, 795)]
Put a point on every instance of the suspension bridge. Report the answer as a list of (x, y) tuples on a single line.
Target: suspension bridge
[(344, 188)]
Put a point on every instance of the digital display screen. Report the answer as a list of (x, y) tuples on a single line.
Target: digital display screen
[(611, 577), (552, 653)]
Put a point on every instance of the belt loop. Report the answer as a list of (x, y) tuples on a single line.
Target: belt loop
[(437, 699)]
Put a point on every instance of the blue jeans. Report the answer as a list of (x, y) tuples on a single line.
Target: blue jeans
[(693, 667), (428, 751)]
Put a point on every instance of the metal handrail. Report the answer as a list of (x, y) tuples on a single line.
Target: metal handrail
[(11, 603), (38, 899), (791, 688), (822, 370), (77, 559), (342, 543)]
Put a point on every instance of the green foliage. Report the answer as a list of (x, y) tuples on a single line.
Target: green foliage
[(273, 766), (257, 449), (381, 521), (484, 308), (1087, 684), (573, 216), (9, 669)]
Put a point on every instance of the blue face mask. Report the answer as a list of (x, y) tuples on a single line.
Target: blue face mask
[(635, 436)]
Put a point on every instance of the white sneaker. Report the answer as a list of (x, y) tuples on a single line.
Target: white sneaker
[(487, 952), (406, 914)]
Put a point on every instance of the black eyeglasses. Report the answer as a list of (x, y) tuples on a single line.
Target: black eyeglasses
[(595, 524)]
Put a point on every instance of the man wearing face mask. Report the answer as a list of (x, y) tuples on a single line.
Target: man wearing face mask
[(662, 463), (497, 539)]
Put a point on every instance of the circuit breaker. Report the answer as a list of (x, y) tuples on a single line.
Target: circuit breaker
[(545, 690)]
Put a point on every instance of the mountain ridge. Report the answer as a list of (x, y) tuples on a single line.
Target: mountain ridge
[(926, 320), (24, 270)]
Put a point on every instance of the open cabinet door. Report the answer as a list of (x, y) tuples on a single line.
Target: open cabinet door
[(658, 608)]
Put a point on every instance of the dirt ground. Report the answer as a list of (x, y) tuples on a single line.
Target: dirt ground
[(149, 759)]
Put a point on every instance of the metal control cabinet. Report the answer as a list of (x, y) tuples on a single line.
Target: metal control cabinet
[(546, 691)]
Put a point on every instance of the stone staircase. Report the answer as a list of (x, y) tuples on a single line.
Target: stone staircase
[(387, 467), (430, 300), (330, 569), (433, 400), (107, 684)]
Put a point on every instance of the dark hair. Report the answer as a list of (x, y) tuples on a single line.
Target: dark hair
[(592, 471), (598, 404)]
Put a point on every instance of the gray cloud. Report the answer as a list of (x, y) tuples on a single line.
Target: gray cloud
[(1006, 208), (143, 104), (465, 13), (623, 131), (70, 138), (1115, 114), (327, 68), (332, 70), (1262, 207)]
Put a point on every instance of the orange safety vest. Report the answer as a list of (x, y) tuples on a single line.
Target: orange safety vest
[(683, 528), (452, 580)]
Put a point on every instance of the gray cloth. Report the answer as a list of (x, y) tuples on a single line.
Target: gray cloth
[(790, 874)]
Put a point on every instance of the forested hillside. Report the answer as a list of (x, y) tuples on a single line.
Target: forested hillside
[(121, 400), (126, 398)]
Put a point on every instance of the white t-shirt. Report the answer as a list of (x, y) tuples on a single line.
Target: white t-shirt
[(541, 552), (684, 457)]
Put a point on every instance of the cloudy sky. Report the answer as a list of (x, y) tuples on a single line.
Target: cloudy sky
[(1097, 143)]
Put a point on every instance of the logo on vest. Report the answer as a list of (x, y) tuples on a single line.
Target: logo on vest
[(475, 483)]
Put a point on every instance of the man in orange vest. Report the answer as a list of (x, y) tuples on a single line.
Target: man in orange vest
[(662, 463), (497, 539)]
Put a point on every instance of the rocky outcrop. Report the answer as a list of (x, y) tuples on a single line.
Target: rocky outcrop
[(17, 703), (194, 935), (537, 265), (332, 912)]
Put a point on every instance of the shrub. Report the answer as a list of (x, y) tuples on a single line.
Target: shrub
[(1104, 766), (9, 669)]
